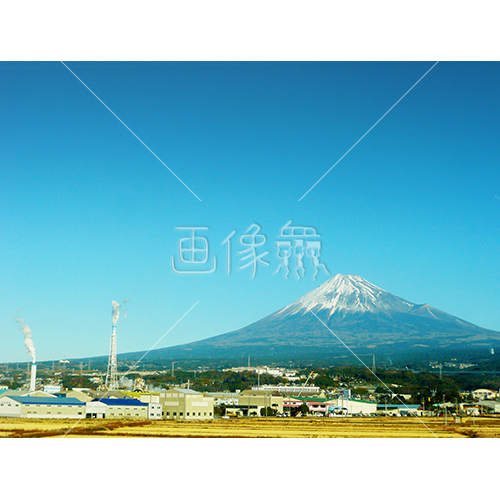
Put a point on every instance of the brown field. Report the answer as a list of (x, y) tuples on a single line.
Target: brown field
[(257, 428)]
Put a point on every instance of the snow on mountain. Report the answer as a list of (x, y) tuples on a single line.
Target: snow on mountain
[(345, 307), (346, 293)]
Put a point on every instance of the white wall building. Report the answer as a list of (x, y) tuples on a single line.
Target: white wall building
[(484, 394), (353, 406), (155, 408), (41, 407)]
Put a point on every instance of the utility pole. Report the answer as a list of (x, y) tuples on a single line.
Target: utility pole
[(173, 369), (445, 412)]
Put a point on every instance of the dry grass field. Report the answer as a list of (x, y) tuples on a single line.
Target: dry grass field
[(256, 427)]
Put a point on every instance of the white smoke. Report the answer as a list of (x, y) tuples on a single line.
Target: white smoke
[(125, 303), (28, 342), (115, 313)]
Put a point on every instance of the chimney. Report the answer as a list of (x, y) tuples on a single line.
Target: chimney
[(33, 377)]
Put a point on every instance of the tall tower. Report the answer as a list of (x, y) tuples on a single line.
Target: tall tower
[(112, 373)]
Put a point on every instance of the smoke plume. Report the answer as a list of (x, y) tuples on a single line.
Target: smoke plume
[(115, 313), (125, 303), (28, 342)]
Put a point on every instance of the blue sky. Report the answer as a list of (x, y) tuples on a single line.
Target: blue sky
[(88, 214)]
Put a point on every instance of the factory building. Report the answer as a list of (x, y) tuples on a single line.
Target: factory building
[(75, 393), (251, 402), (399, 409), (490, 406), (356, 406), (95, 409), (41, 407), (186, 404), (291, 390), (224, 398), (330, 407), (119, 408), (482, 394), (155, 408)]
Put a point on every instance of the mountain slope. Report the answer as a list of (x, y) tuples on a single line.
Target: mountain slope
[(343, 311)]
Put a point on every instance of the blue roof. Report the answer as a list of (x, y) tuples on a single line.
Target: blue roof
[(120, 402), (36, 400)]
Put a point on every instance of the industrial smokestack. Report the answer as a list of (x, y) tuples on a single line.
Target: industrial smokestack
[(33, 377)]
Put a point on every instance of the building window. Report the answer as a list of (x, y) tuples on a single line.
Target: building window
[(175, 413)]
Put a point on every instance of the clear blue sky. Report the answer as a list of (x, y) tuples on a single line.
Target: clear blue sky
[(88, 214)]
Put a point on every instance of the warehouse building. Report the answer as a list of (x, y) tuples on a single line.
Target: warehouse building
[(155, 408), (119, 408), (95, 409), (250, 402), (482, 394), (41, 407), (186, 404), (399, 409), (331, 407), (357, 406), (490, 406), (291, 390)]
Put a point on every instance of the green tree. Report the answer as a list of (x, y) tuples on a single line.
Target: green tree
[(268, 412), (220, 410), (304, 409)]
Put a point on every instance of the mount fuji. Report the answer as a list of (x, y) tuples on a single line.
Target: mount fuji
[(344, 311)]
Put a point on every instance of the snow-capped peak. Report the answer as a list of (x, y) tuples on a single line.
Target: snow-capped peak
[(348, 294)]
